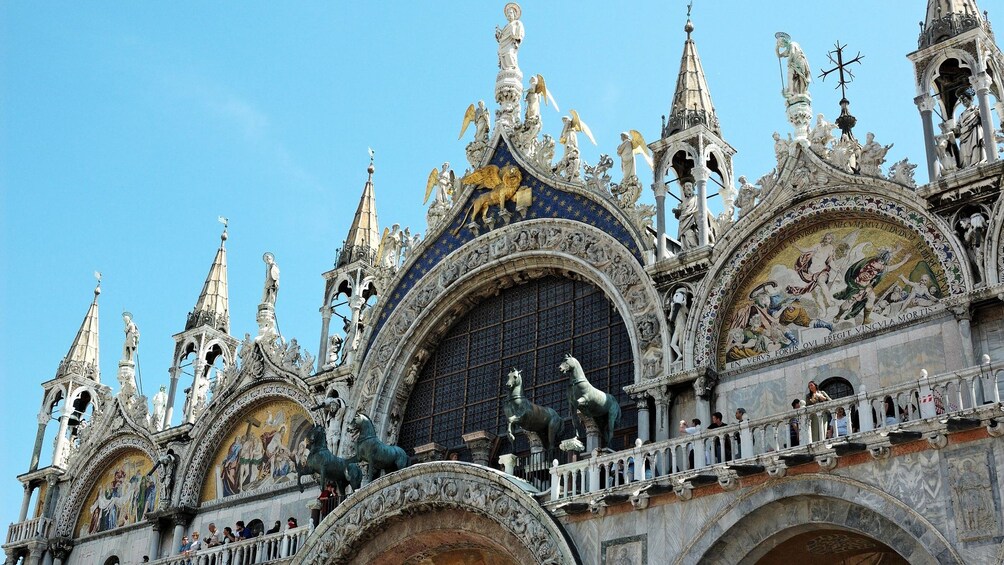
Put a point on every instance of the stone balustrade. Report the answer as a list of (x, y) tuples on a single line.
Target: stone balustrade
[(29, 529), (268, 548), (746, 445)]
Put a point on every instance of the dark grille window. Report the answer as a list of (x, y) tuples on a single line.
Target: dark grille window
[(531, 327), (837, 387)]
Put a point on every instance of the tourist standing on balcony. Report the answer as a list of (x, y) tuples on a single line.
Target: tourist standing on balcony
[(213, 539), (838, 427), (692, 430), (793, 428), (815, 396)]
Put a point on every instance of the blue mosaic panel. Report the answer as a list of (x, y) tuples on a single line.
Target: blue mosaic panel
[(548, 202)]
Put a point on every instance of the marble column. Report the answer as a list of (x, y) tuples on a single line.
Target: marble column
[(926, 106), (36, 453), (322, 351), (172, 392), (480, 444), (644, 433), (660, 190), (702, 396), (155, 541), (701, 174), (24, 502), (61, 440), (662, 398), (981, 83)]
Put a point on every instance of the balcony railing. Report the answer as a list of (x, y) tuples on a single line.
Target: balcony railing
[(885, 409), (29, 529), (268, 548)]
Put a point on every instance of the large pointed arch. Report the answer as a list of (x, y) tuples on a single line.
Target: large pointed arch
[(743, 251), (498, 512), (87, 475), (734, 533), (536, 245), (214, 425)]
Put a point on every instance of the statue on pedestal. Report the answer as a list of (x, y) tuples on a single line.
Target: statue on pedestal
[(131, 339), (159, 409), (796, 91), (509, 37), (271, 279)]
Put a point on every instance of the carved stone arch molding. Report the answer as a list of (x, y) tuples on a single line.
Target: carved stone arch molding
[(744, 255), (213, 426), (515, 251), (70, 504), (405, 517), (824, 500)]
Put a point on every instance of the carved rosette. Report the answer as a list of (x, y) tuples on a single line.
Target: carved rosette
[(745, 256), (81, 482), (529, 245), (211, 429), (499, 498)]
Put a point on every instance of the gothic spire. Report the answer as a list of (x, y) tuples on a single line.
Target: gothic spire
[(364, 237), (213, 306), (947, 18), (692, 101), (82, 358)]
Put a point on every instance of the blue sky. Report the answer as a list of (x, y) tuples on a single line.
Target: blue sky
[(127, 128)]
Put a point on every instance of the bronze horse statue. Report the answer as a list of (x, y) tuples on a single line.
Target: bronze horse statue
[(380, 456), (601, 406), (331, 468), (541, 420)]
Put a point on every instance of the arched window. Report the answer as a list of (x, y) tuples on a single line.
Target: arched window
[(837, 387), (531, 327), (113, 560)]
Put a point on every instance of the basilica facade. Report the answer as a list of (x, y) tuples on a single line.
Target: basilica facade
[(808, 367)]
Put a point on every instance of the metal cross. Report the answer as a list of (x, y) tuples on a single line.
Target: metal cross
[(841, 67)]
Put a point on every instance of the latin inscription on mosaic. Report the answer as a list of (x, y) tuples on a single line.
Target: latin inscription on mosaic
[(828, 282), (123, 495), (259, 452)]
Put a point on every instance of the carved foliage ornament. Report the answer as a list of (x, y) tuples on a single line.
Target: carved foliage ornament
[(360, 518), (547, 238)]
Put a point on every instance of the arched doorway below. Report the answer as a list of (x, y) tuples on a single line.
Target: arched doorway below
[(827, 544)]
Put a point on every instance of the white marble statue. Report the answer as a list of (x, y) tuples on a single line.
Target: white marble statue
[(969, 132), (389, 252), (799, 75), (131, 339), (440, 185), (679, 310), (747, 197), (872, 156), (569, 164), (946, 150), (334, 348), (632, 143), (821, 135), (781, 146), (509, 37), (159, 409), (973, 232), (687, 214), (271, 289)]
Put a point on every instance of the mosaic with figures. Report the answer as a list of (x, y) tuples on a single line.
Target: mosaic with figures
[(124, 494), (829, 281), (260, 451), (530, 327), (546, 202)]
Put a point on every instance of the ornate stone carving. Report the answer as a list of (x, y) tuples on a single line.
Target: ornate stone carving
[(902, 172), (485, 493), (976, 515), (572, 242)]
